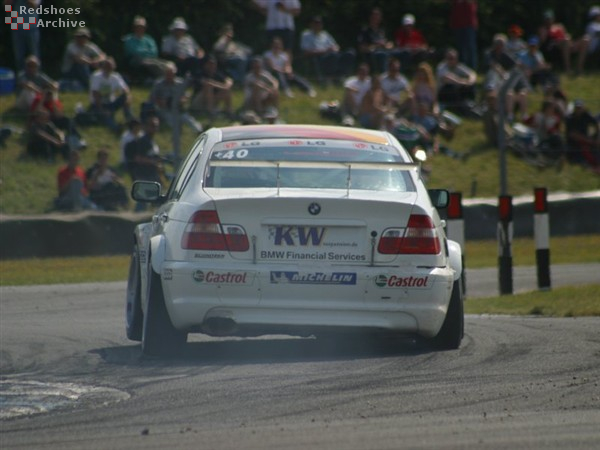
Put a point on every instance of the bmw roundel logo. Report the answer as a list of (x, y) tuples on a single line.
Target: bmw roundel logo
[(314, 209)]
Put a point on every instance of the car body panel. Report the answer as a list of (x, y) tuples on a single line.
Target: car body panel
[(301, 270)]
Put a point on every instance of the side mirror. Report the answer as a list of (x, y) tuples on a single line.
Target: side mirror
[(146, 191), (439, 198)]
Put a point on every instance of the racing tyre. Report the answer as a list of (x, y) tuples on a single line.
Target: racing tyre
[(159, 336), (452, 331), (133, 303)]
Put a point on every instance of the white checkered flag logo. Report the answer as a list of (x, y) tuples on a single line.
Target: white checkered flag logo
[(14, 25)]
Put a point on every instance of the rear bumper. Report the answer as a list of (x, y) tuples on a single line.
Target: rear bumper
[(403, 300)]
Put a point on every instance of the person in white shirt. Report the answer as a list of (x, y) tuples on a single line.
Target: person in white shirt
[(261, 89), (320, 47), (108, 94), (278, 62), (280, 16), (355, 89), (456, 81), (396, 88)]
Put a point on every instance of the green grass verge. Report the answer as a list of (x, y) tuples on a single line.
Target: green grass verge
[(570, 301), (562, 302), (28, 187)]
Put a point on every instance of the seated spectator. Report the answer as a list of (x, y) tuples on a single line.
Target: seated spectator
[(373, 107), (396, 88), (322, 50), (213, 90), (134, 130), (232, 55), (592, 31), (31, 81), (261, 89), (280, 20), (181, 48), (515, 44), (424, 87), (373, 45), (554, 94), (456, 83), (104, 185), (143, 157), (277, 61), (108, 94), (547, 125), (81, 58), (534, 65), (411, 42), (355, 88), (141, 51), (583, 137), (168, 100), (45, 140), (556, 41), (49, 101), (499, 63), (72, 192)]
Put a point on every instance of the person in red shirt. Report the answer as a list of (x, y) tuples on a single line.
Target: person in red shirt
[(411, 42), (72, 192), (464, 23), (555, 41)]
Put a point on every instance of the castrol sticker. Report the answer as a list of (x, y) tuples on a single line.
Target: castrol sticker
[(394, 281), (223, 277)]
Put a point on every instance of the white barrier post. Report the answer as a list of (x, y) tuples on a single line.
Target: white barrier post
[(541, 231)]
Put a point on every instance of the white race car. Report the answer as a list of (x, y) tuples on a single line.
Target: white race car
[(293, 229)]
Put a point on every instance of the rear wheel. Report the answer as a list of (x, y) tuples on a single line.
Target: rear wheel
[(452, 331), (133, 304), (159, 336)]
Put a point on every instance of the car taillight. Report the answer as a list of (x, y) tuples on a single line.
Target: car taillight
[(204, 231), (418, 238)]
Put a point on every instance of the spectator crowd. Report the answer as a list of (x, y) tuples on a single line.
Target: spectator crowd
[(393, 81)]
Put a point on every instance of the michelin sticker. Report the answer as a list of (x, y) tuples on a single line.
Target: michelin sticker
[(290, 277)]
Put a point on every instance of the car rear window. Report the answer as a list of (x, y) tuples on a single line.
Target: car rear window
[(262, 164)]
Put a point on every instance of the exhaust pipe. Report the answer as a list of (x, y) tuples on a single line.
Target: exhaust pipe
[(219, 326)]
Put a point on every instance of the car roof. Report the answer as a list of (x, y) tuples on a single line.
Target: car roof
[(304, 132)]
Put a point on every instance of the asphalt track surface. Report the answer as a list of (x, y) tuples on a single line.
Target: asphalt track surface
[(71, 380)]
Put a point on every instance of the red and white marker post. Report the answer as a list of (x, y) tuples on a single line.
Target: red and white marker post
[(455, 228), (505, 235), (541, 232)]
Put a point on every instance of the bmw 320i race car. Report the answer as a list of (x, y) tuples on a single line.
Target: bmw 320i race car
[(293, 229)]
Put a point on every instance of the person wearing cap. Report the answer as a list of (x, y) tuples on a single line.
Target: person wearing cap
[(31, 81), (109, 93), (141, 52), (168, 101), (181, 48), (330, 63), (556, 43), (81, 57), (583, 137), (411, 42), (533, 63)]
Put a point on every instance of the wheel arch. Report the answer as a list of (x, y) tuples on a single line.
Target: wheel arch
[(455, 257)]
